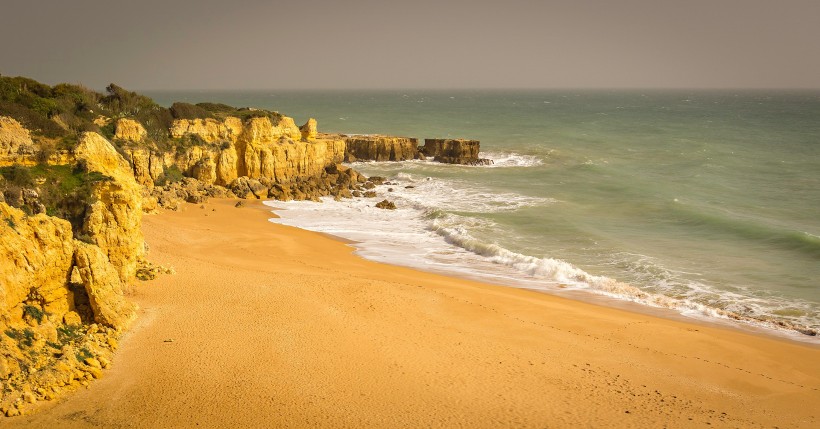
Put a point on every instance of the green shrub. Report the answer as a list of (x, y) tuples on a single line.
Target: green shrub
[(24, 337), (34, 312), (17, 175), (69, 333), (189, 111), (83, 354), (171, 174)]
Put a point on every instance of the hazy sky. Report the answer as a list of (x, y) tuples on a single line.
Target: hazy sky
[(247, 44)]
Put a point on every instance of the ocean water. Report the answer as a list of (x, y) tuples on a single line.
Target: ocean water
[(707, 203)]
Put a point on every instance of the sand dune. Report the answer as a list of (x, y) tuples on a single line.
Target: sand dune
[(270, 326)]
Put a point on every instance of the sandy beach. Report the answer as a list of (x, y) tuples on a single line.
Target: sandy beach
[(270, 326)]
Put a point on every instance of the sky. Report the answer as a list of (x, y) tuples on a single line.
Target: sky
[(379, 44)]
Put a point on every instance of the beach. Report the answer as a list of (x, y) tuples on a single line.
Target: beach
[(265, 325)]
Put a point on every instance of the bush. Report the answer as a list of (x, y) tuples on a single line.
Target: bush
[(34, 312), (171, 174), (189, 111), (36, 122), (45, 153), (17, 175)]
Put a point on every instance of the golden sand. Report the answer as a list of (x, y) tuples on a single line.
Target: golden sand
[(270, 326)]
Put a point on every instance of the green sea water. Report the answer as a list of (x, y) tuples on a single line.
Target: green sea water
[(708, 202)]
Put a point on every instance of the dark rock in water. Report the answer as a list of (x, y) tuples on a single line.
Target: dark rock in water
[(370, 194), (376, 180), (409, 187), (239, 204), (389, 189), (386, 205), (357, 194), (454, 151)]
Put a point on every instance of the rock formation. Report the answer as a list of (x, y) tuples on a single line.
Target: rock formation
[(380, 148), (36, 254), (129, 130), (256, 148), (309, 131), (454, 151), (103, 286), (114, 217), (15, 143)]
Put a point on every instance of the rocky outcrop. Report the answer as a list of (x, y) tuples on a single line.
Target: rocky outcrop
[(209, 130), (129, 130), (380, 148), (454, 151), (61, 300), (36, 254), (103, 286), (309, 130), (15, 142), (114, 217), (147, 166)]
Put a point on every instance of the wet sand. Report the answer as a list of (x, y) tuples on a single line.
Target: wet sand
[(270, 326)]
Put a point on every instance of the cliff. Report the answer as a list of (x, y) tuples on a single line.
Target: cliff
[(380, 148), (255, 148), (61, 299), (113, 218), (454, 151)]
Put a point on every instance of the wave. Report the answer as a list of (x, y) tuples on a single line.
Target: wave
[(511, 159), (727, 223), (500, 160), (697, 299)]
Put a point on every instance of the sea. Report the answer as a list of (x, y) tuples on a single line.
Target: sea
[(705, 204)]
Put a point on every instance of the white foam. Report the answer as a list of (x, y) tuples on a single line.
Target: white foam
[(512, 159)]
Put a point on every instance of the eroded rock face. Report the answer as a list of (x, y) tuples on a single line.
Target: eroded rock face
[(209, 130), (15, 141), (309, 130), (380, 148), (103, 286), (129, 130), (35, 260), (454, 151), (114, 217), (257, 149)]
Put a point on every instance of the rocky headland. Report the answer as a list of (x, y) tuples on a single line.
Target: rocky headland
[(78, 169)]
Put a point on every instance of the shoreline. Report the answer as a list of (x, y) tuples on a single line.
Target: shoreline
[(742, 324), (291, 324)]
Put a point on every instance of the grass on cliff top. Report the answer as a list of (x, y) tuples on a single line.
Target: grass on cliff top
[(64, 190), (221, 111), (64, 111)]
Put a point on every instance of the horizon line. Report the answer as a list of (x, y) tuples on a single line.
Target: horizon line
[(671, 88)]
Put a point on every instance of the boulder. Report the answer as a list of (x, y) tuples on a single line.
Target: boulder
[(102, 284), (385, 204)]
